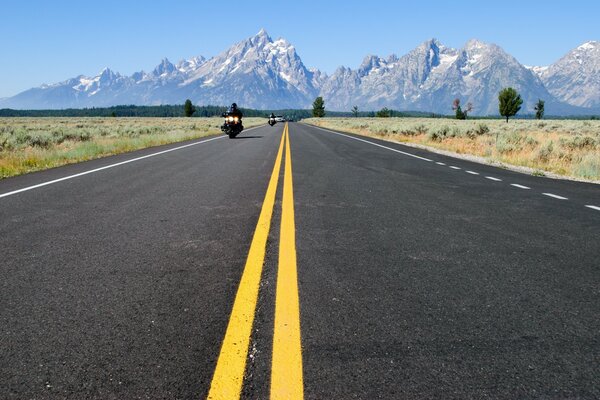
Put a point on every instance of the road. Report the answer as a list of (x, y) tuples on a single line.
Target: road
[(297, 262)]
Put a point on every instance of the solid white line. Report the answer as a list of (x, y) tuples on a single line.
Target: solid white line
[(472, 172), (555, 196), (493, 179), (593, 207), (111, 166), (519, 186), (440, 163), (374, 144), (453, 167)]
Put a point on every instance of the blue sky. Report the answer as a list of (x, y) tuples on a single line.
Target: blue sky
[(50, 41)]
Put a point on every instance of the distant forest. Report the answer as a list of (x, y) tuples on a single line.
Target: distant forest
[(178, 111), (215, 111)]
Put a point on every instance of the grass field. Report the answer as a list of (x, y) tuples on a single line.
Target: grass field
[(32, 144), (569, 148)]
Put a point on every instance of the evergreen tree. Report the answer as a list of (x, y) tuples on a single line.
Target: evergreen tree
[(458, 110), (383, 113), (318, 108), (188, 108), (509, 102), (460, 114), (355, 111), (539, 109)]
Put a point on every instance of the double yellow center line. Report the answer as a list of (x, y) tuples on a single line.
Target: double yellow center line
[(286, 367)]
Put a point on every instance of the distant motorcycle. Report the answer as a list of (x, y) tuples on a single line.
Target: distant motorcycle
[(232, 125)]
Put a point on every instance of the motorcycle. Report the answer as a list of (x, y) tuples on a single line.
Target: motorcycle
[(232, 126), (272, 121)]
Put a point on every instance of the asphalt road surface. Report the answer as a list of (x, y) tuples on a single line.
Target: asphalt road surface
[(294, 263)]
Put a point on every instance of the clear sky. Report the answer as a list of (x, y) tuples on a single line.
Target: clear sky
[(50, 41)]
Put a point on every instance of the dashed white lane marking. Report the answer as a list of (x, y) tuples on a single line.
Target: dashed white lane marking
[(519, 186), (112, 165), (450, 166), (555, 196), (374, 144)]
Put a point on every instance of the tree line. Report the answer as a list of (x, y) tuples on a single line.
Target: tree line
[(185, 110), (509, 104)]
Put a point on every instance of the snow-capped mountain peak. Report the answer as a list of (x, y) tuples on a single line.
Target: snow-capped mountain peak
[(575, 78), (164, 68), (187, 66), (591, 45), (260, 72), (476, 44), (108, 75), (370, 63)]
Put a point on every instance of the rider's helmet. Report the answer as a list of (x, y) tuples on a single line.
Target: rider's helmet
[(234, 106)]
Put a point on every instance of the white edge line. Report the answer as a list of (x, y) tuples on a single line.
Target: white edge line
[(555, 196), (519, 186), (491, 178), (593, 207), (111, 166), (472, 172), (374, 144)]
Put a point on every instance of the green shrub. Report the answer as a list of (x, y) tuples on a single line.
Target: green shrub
[(420, 129), (544, 153), (455, 132), (509, 142), (531, 141), (580, 142), (589, 167), (471, 134), (438, 134), (40, 139), (482, 129)]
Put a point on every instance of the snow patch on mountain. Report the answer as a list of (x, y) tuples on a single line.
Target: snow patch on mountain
[(260, 72), (575, 78)]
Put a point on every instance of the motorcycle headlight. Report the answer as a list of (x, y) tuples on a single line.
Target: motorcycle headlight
[(236, 119), (230, 119)]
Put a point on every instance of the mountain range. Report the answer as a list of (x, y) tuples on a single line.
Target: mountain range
[(263, 73)]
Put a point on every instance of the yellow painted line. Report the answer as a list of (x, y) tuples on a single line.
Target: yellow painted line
[(286, 367), (231, 365)]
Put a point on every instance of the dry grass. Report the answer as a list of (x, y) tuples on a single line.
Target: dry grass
[(32, 144), (565, 147)]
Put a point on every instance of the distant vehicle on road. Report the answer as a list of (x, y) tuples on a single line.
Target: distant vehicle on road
[(279, 118)]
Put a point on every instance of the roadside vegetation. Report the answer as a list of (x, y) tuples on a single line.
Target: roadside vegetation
[(564, 147), (32, 144)]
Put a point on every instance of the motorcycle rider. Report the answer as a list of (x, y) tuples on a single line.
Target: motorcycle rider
[(234, 111), (233, 121)]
